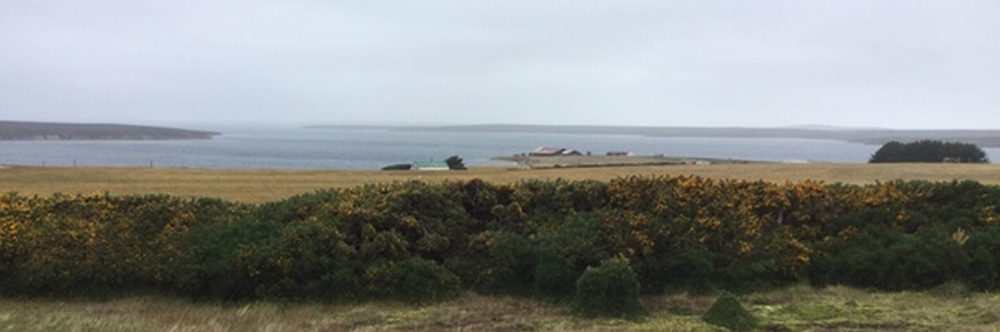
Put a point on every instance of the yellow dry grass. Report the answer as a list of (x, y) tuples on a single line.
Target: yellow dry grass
[(270, 185)]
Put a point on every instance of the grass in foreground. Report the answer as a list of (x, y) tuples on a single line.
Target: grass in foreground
[(797, 309), (256, 186)]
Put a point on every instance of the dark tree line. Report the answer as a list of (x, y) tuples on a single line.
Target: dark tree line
[(928, 151)]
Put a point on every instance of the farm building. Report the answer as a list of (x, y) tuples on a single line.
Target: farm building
[(430, 166), (542, 151)]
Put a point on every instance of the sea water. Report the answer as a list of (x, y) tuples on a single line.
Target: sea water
[(361, 148)]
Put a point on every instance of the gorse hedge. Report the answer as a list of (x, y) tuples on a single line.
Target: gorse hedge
[(415, 242)]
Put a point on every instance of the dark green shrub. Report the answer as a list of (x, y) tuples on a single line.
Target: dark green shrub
[(609, 290), (507, 266), (890, 260), (230, 261), (690, 271), (758, 275), (560, 196), (315, 264), (727, 312), (299, 207), (413, 280), (982, 246), (565, 252), (960, 203)]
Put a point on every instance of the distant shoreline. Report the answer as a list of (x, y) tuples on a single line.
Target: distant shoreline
[(51, 131), (869, 136)]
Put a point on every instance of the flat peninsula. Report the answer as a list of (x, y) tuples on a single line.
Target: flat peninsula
[(38, 131)]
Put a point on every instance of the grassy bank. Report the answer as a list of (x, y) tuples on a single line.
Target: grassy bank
[(797, 309), (269, 185)]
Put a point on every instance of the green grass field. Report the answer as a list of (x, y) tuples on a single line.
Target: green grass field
[(270, 185), (797, 308)]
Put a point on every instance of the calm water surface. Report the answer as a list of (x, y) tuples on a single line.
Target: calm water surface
[(373, 148)]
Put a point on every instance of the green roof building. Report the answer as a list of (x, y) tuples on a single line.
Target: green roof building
[(430, 166)]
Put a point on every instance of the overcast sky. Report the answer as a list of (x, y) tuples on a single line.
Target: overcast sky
[(895, 64)]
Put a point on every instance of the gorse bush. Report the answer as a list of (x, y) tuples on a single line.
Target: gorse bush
[(242, 260), (413, 280), (880, 258), (608, 290), (689, 271), (565, 252), (98, 244), (883, 259), (504, 264), (413, 241)]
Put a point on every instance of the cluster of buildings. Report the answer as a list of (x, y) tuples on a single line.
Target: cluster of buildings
[(543, 151)]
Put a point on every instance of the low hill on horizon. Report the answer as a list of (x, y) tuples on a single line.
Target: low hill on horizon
[(33, 131), (873, 136)]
